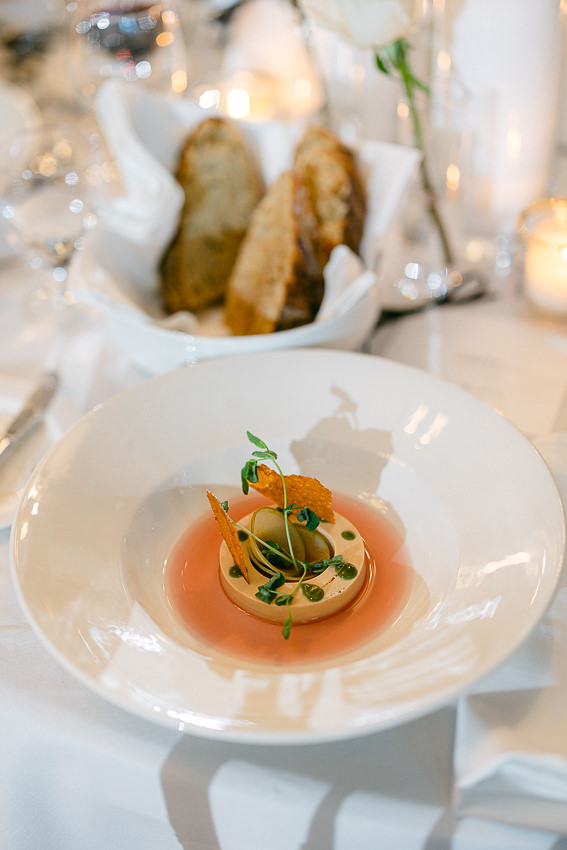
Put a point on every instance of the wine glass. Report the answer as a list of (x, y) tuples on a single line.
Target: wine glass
[(51, 187), (128, 40)]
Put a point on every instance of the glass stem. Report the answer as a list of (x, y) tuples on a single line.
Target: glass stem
[(428, 188)]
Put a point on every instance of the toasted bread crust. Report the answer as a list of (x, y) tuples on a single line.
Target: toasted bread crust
[(263, 254), (277, 281), (222, 185), (330, 172)]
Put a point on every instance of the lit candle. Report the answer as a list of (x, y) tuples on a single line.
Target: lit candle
[(543, 227), (267, 39), (242, 94)]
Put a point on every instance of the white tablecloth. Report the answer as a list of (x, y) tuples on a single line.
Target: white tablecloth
[(79, 773)]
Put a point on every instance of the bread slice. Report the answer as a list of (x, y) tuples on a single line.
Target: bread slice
[(277, 280), (222, 185), (330, 172)]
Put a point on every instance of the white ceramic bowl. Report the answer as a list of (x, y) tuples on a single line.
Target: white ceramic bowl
[(476, 507)]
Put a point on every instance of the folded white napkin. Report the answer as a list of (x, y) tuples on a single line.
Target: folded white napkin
[(145, 132), (117, 273), (511, 741)]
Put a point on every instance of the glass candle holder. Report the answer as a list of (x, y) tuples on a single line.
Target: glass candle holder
[(543, 230), (127, 40)]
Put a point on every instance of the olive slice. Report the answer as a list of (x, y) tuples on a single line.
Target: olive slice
[(268, 524), (317, 547)]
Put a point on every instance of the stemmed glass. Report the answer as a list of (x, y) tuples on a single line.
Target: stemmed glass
[(127, 40), (51, 185)]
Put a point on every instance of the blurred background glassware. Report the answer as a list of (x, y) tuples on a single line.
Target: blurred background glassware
[(265, 69), (132, 41), (424, 262), (27, 30), (516, 114), (52, 183)]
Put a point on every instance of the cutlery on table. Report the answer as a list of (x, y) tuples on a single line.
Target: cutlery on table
[(29, 414)]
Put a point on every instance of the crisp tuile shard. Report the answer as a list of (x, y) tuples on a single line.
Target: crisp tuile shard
[(229, 533), (301, 490)]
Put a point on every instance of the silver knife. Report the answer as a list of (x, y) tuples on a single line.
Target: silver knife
[(31, 412)]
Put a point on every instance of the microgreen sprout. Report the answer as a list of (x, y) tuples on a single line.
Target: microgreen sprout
[(249, 473), (268, 592)]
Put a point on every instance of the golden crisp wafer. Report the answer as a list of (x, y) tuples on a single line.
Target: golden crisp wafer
[(301, 490), (229, 533)]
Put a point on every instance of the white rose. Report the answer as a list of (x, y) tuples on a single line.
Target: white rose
[(366, 23)]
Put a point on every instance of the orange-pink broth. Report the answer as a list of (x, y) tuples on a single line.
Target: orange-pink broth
[(196, 595)]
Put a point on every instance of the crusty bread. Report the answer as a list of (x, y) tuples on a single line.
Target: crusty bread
[(330, 172), (277, 280), (222, 185)]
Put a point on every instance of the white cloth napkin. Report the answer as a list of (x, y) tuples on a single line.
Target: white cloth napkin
[(511, 740), (144, 133)]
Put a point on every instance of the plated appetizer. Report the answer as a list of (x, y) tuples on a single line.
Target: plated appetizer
[(326, 571), (294, 560)]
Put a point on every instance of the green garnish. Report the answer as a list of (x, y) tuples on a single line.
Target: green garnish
[(267, 592), (347, 572), (313, 592), (249, 474), (274, 552), (307, 516)]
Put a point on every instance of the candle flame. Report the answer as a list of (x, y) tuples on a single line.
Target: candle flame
[(164, 39), (238, 103), (179, 82), (453, 177)]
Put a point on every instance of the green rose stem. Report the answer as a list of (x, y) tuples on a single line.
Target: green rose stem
[(394, 57)]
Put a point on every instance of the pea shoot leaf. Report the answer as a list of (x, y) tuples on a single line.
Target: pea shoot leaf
[(267, 592), (256, 440), (320, 566), (249, 472), (261, 445), (309, 517), (284, 599)]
